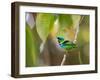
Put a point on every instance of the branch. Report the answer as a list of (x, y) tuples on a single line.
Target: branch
[(63, 60), (77, 30)]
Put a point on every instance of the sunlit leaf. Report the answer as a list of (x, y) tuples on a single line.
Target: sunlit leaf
[(44, 24), (55, 28)]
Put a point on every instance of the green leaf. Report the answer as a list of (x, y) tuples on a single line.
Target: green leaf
[(69, 24), (65, 20), (31, 48), (44, 24), (68, 20)]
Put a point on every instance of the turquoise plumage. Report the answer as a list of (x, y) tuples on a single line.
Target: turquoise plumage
[(65, 44)]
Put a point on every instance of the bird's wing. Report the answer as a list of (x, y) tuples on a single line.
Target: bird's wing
[(66, 42)]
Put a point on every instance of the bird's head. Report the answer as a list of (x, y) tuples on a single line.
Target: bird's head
[(60, 39)]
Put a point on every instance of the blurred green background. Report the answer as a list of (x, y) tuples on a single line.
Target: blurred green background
[(42, 47)]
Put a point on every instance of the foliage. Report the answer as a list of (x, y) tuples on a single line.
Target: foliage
[(44, 24), (50, 26), (31, 48)]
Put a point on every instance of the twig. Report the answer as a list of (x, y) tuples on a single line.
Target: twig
[(63, 60), (77, 30)]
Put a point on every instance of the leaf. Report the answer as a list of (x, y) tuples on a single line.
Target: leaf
[(83, 40), (31, 48), (65, 20), (69, 24), (76, 20), (44, 24)]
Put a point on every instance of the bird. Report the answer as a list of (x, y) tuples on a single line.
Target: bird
[(66, 44)]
